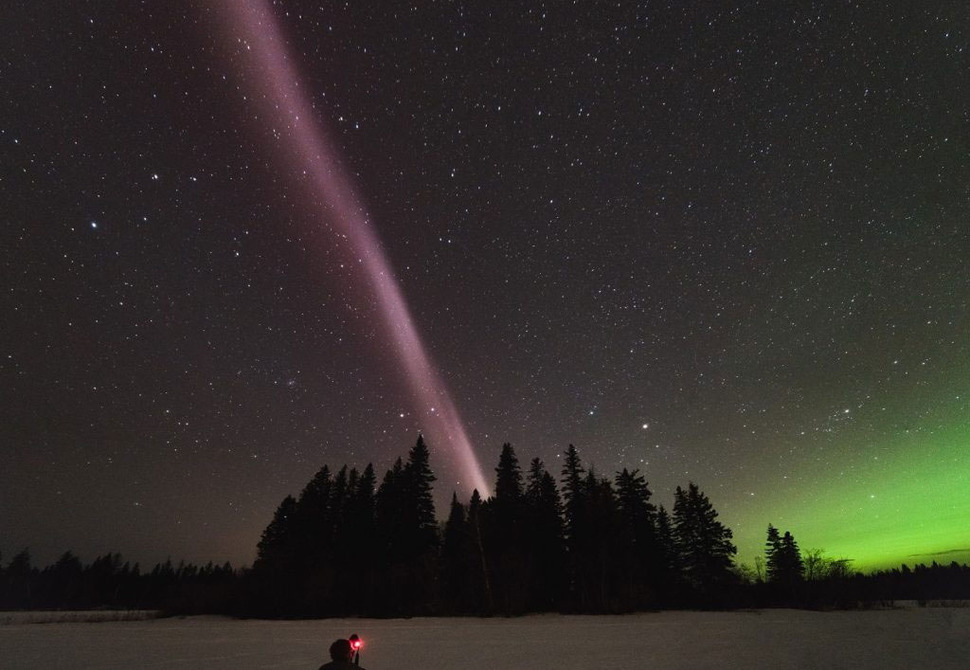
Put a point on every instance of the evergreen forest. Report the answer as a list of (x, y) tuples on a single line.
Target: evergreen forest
[(572, 542)]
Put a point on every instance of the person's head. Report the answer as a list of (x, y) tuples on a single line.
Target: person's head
[(340, 650)]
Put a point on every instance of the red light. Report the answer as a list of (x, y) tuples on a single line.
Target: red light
[(356, 644)]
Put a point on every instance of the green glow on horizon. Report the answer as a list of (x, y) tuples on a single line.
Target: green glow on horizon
[(910, 504)]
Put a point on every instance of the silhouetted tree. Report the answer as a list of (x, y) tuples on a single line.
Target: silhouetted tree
[(600, 538), (20, 576), (420, 500), (314, 531), (277, 546), (783, 566), (639, 558), (772, 547), (358, 542), (406, 524), (505, 536), (703, 543), (457, 560), (544, 540), (63, 582), (574, 513), (668, 575), (572, 490), (790, 565), (389, 510), (482, 582)]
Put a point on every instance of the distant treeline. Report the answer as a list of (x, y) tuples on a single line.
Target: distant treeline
[(584, 543), (109, 582)]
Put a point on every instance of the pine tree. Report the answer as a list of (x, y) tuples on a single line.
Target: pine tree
[(65, 580), (418, 480), (599, 545), (574, 513), (20, 575), (508, 482), (638, 557), (772, 550), (483, 590), (667, 543), (406, 522), (636, 512), (277, 549), (572, 490), (783, 561), (390, 513), (391, 521), (793, 569), (505, 535), (339, 492), (456, 558), (313, 524), (544, 541), (362, 540), (353, 559), (704, 544)]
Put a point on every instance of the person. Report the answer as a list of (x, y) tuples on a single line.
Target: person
[(342, 656)]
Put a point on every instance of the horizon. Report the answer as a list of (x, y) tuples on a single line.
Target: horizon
[(750, 542)]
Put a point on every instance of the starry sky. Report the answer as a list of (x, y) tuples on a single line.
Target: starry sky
[(719, 242)]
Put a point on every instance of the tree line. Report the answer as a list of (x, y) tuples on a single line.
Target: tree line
[(109, 582), (347, 546), (581, 542)]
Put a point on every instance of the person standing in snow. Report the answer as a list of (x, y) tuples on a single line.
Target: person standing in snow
[(343, 657)]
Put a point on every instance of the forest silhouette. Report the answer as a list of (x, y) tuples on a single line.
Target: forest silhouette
[(348, 546)]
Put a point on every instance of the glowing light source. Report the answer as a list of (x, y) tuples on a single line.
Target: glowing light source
[(254, 25)]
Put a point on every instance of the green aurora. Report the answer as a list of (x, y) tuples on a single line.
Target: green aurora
[(906, 500)]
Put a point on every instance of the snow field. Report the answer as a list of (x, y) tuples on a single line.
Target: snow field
[(936, 638)]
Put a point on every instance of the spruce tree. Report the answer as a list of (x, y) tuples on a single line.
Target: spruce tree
[(791, 567), (313, 524), (390, 513), (505, 535), (572, 488), (21, 576), (793, 558), (391, 522), (574, 513), (772, 551), (508, 481), (277, 548), (407, 525), (483, 583), (638, 557), (599, 545), (456, 559), (703, 542), (314, 530), (667, 543), (544, 541), (418, 480), (783, 561)]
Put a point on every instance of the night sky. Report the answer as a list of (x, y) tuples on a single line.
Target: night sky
[(721, 243)]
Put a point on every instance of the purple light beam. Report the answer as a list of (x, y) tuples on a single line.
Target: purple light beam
[(253, 24)]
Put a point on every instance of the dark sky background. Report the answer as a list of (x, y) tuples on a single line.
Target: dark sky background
[(718, 242)]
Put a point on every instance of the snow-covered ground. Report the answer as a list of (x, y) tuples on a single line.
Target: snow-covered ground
[(71, 616), (885, 639)]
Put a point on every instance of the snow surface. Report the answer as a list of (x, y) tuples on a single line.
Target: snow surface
[(883, 639)]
